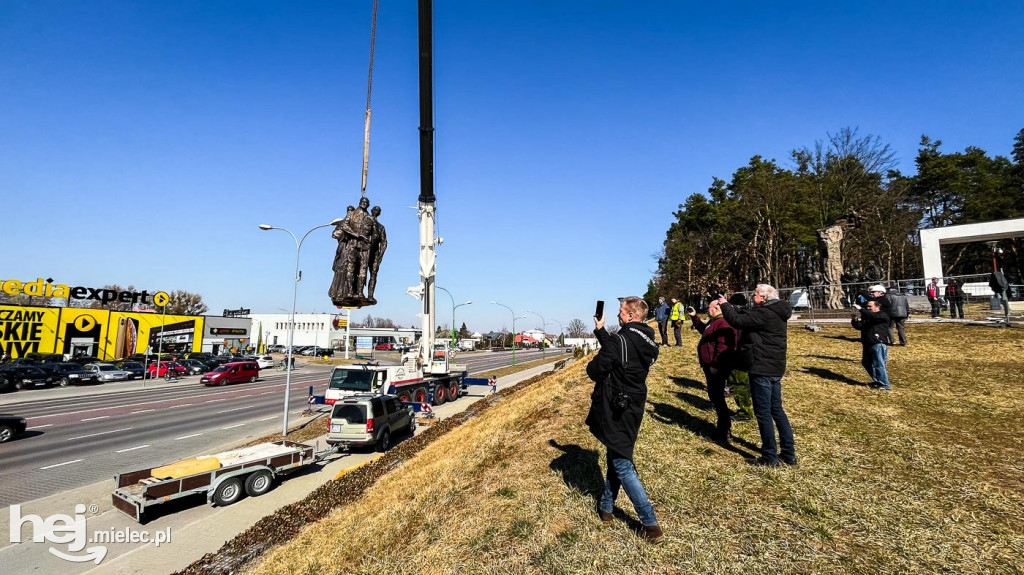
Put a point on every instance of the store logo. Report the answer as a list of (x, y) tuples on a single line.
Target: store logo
[(58, 529), (46, 288)]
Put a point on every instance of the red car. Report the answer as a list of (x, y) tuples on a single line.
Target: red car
[(385, 346), (161, 368)]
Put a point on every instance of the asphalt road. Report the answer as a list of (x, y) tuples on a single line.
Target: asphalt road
[(80, 435)]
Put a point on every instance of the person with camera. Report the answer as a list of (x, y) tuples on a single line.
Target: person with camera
[(619, 372), (873, 323), (715, 353), (762, 354)]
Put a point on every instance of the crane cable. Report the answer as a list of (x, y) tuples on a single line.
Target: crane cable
[(369, 91)]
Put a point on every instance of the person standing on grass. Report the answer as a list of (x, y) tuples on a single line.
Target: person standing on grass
[(873, 324), (619, 372), (661, 314), (739, 380), (715, 352), (932, 291), (955, 298), (899, 311), (762, 354), (676, 316)]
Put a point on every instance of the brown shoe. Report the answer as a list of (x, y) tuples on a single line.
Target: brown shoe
[(606, 518), (653, 534)]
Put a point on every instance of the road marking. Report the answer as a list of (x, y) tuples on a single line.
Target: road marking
[(95, 418), (233, 426), (143, 410), (59, 464), (268, 418), (100, 433), (187, 436), (213, 400), (40, 426), (235, 409), (132, 448)]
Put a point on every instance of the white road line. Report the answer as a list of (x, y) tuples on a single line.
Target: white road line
[(95, 418), (132, 448), (268, 418), (233, 426), (100, 433), (187, 436), (235, 409), (213, 400), (40, 426), (143, 410), (59, 464)]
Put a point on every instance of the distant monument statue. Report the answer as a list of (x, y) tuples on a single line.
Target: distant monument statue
[(830, 242), (361, 244)]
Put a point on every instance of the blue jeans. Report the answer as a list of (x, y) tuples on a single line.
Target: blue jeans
[(873, 359), (622, 473), (767, 395)]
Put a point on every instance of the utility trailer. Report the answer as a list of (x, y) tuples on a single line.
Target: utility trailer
[(223, 477)]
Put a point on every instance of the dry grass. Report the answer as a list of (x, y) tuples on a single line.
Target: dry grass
[(925, 479)]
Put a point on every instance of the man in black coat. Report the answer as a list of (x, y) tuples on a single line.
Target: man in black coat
[(873, 323), (619, 372), (762, 353)]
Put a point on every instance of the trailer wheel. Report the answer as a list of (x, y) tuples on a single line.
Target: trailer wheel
[(419, 395), (440, 394), (453, 390), (384, 442), (259, 483), (228, 492)]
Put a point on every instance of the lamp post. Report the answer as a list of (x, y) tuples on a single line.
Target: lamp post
[(291, 320), (561, 330), (543, 340), (454, 307), (514, 318)]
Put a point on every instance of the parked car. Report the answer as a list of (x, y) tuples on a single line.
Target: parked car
[(9, 384), (177, 367), (369, 420), (194, 366), (84, 359), (265, 361), (65, 373), (11, 426), (133, 368), (24, 376), (232, 373), (318, 351), (200, 355), (384, 346), (45, 357), (107, 372)]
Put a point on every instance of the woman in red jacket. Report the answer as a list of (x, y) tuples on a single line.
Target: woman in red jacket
[(715, 351)]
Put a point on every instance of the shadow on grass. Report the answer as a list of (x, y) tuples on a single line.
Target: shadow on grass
[(687, 382), (671, 414), (695, 400), (579, 469), (844, 338), (831, 358), (831, 375)]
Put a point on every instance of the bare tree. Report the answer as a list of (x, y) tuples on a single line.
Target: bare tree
[(577, 328), (186, 303)]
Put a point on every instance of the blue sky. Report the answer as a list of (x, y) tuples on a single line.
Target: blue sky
[(143, 142)]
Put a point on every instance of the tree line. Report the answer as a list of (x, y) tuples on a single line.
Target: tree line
[(762, 225)]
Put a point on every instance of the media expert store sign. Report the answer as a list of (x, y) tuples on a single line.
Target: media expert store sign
[(98, 332)]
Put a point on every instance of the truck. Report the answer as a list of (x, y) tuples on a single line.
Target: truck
[(223, 477), (437, 381)]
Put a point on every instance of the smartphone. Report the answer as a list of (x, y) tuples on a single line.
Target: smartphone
[(599, 310)]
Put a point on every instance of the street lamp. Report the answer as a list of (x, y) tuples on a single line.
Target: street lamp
[(561, 330), (291, 322), (543, 340), (454, 307), (514, 318)]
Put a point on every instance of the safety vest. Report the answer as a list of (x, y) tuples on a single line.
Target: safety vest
[(677, 312)]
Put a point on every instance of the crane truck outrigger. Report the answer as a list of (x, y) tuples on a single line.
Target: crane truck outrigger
[(425, 373)]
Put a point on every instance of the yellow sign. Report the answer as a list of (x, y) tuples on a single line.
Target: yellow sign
[(161, 298), (85, 323)]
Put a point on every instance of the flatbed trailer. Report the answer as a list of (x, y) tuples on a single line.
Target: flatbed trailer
[(250, 470)]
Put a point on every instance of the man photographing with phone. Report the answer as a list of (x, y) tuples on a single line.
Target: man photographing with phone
[(619, 371)]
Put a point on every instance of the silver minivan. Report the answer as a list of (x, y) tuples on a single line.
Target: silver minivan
[(369, 420), (106, 372)]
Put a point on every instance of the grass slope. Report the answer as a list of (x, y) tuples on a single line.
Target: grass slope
[(926, 479)]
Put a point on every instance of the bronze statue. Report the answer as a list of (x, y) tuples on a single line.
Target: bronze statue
[(358, 234), (378, 245)]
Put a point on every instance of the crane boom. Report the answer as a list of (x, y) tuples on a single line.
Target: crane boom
[(425, 204)]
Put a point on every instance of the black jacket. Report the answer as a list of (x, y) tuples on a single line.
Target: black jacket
[(618, 428), (899, 307), (874, 327), (762, 347)]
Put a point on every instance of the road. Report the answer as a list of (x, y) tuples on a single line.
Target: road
[(80, 435)]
